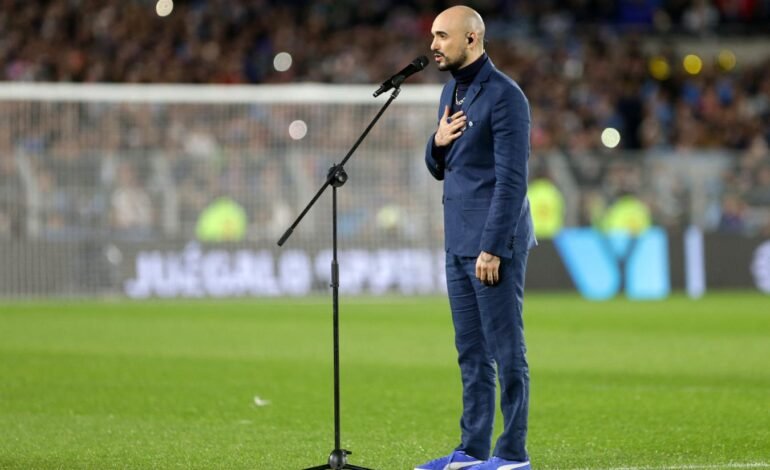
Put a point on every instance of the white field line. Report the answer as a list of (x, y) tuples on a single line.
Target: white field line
[(690, 467)]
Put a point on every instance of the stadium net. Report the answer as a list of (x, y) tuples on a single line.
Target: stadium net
[(184, 191)]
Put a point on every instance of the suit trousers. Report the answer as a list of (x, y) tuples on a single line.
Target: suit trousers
[(489, 336)]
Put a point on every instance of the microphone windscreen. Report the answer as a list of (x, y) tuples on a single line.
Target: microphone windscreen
[(421, 62)]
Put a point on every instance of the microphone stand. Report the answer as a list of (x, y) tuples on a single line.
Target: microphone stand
[(336, 177)]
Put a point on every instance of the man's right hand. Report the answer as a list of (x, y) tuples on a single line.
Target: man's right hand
[(449, 128)]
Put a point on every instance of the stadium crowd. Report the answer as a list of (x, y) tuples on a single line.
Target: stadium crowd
[(586, 65), (227, 41)]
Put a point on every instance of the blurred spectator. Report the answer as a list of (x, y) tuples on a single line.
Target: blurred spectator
[(701, 17), (627, 214), (580, 79), (234, 41), (547, 206), (53, 206), (733, 218), (395, 219), (759, 193), (132, 213), (12, 197), (224, 220), (273, 214)]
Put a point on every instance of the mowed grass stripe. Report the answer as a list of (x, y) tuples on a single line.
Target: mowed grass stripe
[(172, 384)]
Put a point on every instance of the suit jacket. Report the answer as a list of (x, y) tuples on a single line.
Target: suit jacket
[(485, 169)]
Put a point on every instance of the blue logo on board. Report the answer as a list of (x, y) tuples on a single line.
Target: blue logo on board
[(602, 265)]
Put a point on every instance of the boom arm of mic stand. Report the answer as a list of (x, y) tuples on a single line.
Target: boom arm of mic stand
[(333, 174)]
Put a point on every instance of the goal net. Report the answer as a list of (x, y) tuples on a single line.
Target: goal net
[(184, 191)]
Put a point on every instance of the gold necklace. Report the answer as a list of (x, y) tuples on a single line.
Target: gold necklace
[(458, 102)]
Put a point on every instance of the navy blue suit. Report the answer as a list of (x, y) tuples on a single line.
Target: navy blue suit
[(486, 209)]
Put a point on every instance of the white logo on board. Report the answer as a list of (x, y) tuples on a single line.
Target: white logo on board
[(195, 272), (760, 267)]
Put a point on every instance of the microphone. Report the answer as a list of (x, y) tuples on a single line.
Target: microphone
[(396, 80)]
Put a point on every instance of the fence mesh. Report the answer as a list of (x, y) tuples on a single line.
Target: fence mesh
[(127, 190)]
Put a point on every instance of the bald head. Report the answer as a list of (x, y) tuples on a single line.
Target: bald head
[(463, 18), (458, 37)]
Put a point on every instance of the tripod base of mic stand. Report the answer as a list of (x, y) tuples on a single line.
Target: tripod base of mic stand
[(338, 460)]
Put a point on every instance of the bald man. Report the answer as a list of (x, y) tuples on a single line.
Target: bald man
[(480, 151)]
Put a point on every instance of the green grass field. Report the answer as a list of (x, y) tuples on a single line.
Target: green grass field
[(675, 384)]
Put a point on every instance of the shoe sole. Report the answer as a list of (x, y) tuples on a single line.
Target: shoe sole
[(457, 465), (461, 465), (515, 466)]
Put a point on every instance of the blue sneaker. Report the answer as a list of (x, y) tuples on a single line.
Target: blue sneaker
[(454, 461), (496, 463)]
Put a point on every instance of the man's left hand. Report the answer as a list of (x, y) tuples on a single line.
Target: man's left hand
[(488, 268)]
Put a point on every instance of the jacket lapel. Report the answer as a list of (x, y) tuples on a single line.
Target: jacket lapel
[(446, 97), (476, 85)]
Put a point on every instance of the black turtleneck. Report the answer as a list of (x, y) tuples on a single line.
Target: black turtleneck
[(465, 76)]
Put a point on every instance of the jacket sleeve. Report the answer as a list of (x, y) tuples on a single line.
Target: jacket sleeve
[(510, 123), (434, 159)]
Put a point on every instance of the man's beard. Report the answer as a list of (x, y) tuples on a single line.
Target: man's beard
[(454, 65)]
